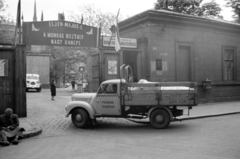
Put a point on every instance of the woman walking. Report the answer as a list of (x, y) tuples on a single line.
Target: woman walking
[(53, 89)]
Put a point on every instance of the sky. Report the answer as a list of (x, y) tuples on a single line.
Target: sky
[(51, 8)]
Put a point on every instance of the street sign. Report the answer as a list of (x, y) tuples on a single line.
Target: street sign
[(124, 42)]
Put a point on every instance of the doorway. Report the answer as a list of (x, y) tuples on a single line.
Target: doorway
[(183, 63), (130, 58)]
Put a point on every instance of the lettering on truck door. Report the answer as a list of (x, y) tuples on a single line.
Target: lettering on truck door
[(108, 101)]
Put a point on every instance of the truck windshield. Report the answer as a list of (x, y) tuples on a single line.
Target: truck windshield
[(108, 88), (102, 88)]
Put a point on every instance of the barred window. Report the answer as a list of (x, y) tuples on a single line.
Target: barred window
[(228, 64)]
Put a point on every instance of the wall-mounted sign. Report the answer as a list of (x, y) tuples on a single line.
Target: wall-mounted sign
[(112, 67), (124, 42), (59, 33), (3, 67)]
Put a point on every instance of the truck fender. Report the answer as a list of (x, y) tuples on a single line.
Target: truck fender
[(80, 104), (164, 108)]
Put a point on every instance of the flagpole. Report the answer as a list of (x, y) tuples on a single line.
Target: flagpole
[(18, 23), (118, 46), (99, 58)]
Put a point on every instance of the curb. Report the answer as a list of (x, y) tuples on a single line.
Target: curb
[(189, 118), (34, 132), (207, 116)]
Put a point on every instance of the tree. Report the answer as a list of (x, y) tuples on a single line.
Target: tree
[(180, 6), (93, 17), (235, 5), (6, 33), (7, 25), (63, 59), (191, 7), (2, 9), (210, 9)]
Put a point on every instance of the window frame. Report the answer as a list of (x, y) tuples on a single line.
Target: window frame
[(234, 76)]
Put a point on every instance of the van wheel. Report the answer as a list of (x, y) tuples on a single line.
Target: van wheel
[(159, 119), (80, 118)]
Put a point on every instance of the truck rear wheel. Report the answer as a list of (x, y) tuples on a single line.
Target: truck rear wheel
[(159, 119), (80, 118)]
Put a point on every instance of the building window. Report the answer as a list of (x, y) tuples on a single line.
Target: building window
[(228, 64)]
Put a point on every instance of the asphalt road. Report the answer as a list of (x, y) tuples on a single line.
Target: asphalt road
[(208, 138)]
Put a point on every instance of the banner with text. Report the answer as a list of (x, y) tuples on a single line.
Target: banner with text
[(59, 33)]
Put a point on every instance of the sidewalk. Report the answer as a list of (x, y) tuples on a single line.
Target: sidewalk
[(201, 111)]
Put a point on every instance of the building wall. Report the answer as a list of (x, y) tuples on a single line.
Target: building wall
[(206, 57), (206, 53), (206, 43), (39, 64)]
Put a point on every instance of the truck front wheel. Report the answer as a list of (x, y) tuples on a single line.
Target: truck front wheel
[(159, 119), (79, 118)]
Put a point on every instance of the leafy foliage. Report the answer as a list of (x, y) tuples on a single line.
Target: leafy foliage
[(190, 7), (6, 25), (235, 5), (2, 9), (210, 9), (6, 33), (93, 17), (63, 59)]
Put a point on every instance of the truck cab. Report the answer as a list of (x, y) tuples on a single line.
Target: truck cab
[(158, 101)]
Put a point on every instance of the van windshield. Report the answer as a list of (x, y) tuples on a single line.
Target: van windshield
[(32, 77)]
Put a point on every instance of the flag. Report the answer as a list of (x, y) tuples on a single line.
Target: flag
[(18, 23), (42, 16), (117, 35), (22, 17), (82, 19)]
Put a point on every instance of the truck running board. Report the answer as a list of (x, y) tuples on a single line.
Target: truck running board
[(136, 117)]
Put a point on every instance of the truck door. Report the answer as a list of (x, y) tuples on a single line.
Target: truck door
[(108, 100)]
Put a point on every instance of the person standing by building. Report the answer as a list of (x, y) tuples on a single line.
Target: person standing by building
[(53, 89), (73, 84)]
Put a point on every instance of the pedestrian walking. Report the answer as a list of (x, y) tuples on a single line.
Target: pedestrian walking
[(73, 84), (53, 89)]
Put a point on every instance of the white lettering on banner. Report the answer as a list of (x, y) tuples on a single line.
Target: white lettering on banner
[(72, 42), (74, 36), (55, 24), (73, 25), (55, 35), (56, 42), (65, 24)]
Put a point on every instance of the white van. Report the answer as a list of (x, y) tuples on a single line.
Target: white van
[(33, 82)]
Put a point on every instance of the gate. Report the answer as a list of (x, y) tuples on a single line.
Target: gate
[(13, 79), (96, 74)]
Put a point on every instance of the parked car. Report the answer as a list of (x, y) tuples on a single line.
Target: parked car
[(67, 85), (33, 82)]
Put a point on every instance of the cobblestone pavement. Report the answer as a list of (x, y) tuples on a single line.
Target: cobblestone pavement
[(50, 115)]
